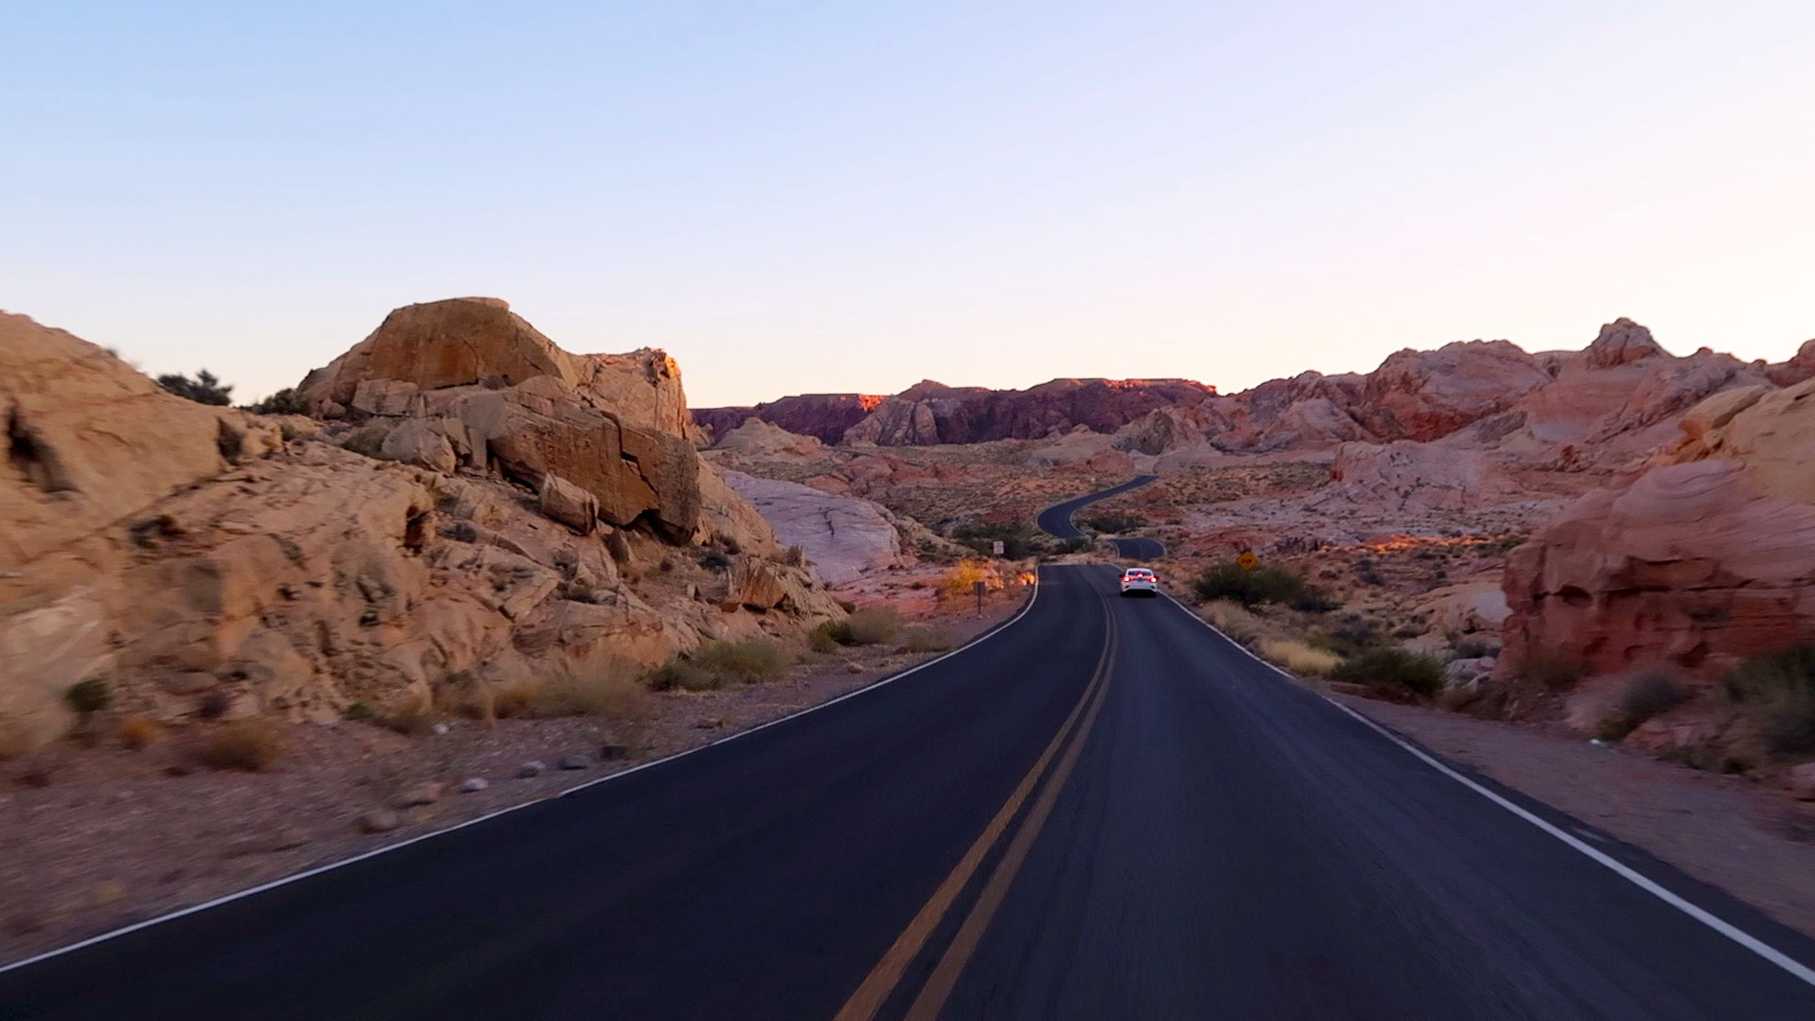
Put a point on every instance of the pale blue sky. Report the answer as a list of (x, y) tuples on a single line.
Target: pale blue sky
[(798, 197)]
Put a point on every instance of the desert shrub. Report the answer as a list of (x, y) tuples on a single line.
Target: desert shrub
[(1472, 648), (824, 638), (284, 402), (1017, 538), (368, 439), (873, 625), (1552, 671), (1367, 573), (1642, 695), (1350, 636), (1064, 546), (252, 745), (1114, 522), (138, 732), (679, 675), (748, 659), (1298, 657), (961, 578), (1314, 600), (847, 606), (1261, 585), (205, 388), (610, 693), (90, 696), (924, 639), (1392, 667), (1777, 692), (359, 712)]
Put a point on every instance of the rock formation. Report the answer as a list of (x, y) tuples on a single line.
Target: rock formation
[(1706, 558), (842, 537), (481, 507)]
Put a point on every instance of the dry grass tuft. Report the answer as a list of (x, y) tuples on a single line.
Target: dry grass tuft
[(925, 639), (137, 732), (1231, 619), (1298, 657), (252, 745), (612, 693), (748, 660)]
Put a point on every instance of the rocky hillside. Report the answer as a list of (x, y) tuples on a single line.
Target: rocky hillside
[(930, 413), (470, 505), (1614, 399)]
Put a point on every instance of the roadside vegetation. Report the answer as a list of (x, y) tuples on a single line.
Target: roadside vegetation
[(1641, 696), (1229, 580), (1776, 695), (1393, 670), (1113, 522)]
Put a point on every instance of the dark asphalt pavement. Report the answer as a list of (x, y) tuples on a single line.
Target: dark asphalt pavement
[(1056, 520), (1104, 810)]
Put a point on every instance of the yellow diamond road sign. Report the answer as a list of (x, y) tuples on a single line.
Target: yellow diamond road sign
[(1248, 561)]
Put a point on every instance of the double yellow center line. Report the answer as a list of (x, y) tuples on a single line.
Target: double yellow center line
[(883, 979)]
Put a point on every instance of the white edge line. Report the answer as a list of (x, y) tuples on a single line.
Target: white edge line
[(342, 863), (1626, 872)]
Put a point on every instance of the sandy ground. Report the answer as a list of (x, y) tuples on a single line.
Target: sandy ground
[(92, 839), (1728, 831)]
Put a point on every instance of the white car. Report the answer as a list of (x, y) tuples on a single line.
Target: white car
[(1139, 581)]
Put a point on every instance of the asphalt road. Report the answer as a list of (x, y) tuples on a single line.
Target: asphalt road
[(1103, 810), (1056, 520)]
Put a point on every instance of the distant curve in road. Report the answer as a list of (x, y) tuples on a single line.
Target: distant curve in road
[(1056, 521), (1103, 809)]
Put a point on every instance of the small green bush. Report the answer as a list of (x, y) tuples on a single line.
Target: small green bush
[(1261, 585), (1643, 695), (359, 712), (284, 402), (89, 696), (1778, 693), (1393, 667), (748, 660)]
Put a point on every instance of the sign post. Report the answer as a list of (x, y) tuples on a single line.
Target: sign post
[(998, 547), (978, 587)]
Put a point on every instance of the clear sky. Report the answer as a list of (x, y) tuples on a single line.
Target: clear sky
[(798, 197)]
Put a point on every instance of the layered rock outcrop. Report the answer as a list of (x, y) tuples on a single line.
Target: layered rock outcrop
[(1706, 558)]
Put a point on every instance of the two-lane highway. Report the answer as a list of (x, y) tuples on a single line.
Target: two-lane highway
[(1103, 810), (1056, 521)]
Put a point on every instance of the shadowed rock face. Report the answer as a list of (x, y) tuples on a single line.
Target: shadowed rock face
[(1708, 557)]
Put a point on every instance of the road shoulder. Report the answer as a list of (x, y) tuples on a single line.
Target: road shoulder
[(1721, 830)]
